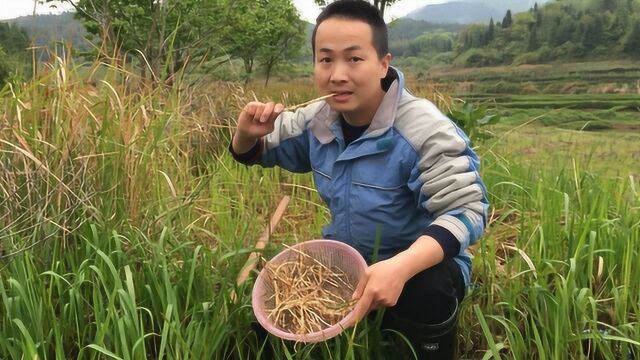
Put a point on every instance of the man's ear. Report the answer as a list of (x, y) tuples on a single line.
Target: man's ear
[(385, 62)]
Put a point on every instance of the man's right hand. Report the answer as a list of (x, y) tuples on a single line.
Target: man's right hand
[(255, 121)]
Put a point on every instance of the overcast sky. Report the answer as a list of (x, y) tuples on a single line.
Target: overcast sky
[(308, 9)]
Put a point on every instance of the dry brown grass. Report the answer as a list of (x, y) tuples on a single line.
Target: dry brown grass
[(306, 296)]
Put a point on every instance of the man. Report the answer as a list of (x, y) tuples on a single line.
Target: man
[(385, 163)]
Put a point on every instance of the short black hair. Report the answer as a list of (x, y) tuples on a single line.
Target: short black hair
[(356, 10)]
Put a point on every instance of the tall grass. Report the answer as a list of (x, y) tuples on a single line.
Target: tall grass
[(554, 274), (123, 223)]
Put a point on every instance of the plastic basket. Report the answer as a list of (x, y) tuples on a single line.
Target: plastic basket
[(330, 253)]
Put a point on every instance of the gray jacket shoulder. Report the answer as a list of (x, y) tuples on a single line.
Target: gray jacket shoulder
[(424, 125)]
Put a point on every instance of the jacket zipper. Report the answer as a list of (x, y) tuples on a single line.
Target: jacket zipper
[(348, 204)]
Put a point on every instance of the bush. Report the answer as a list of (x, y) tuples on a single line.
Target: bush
[(414, 64), (4, 67), (567, 50), (444, 58), (480, 58), (539, 56)]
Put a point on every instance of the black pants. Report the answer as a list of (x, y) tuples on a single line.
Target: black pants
[(426, 312)]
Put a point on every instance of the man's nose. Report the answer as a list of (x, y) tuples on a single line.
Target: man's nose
[(338, 73)]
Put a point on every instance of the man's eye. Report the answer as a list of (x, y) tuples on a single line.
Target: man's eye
[(355, 59), (325, 60)]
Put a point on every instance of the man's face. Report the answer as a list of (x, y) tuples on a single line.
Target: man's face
[(347, 64)]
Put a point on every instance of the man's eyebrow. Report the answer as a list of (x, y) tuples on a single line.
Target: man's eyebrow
[(350, 48), (353, 48)]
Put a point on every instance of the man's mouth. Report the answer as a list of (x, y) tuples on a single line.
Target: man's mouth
[(342, 96)]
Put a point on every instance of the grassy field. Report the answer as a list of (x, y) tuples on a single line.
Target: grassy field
[(124, 223), (616, 77)]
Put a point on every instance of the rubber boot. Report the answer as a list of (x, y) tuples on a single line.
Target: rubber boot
[(427, 341)]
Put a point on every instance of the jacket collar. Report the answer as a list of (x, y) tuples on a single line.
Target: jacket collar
[(322, 125)]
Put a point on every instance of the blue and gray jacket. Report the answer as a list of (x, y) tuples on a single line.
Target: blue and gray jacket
[(411, 173)]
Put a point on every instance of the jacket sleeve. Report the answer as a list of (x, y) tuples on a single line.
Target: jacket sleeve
[(287, 146), (446, 183)]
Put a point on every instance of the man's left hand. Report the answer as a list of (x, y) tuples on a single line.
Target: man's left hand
[(380, 286)]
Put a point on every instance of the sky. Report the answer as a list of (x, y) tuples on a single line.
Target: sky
[(308, 9)]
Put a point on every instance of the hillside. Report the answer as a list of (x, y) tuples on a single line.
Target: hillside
[(409, 29), (557, 31), (470, 11), (49, 29)]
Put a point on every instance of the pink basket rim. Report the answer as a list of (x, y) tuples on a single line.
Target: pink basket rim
[(317, 336)]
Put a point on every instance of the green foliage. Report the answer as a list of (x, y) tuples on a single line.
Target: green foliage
[(408, 29), (160, 37), (380, 4), (14, 43), (14, 39), (491, 31), (4, 66), (427, 43), (479, 58), (472, 36), (538, 56), (571, 29), (268, 32), (507, 21), (631, 43), (473, 119), (163, 38), (408, 37), (285, 36)]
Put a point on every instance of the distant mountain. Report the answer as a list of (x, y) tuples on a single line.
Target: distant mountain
[(408, 29), (47, 30), (471, 11)]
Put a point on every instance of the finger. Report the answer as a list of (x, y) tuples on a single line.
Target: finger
[(258, 113), (277, 110), (248, 110), (362, 284), (362, 307), (267, 112)]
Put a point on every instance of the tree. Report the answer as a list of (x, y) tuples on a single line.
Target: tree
[(533, 42), (631, 43), (507, 21), (431, 42), (286, 34), (14, 43), (162, 35), (592, 27), (13, 39), (473, 36), (166, 36), (606, 5), (620, 23), (491, 31), (380, 4), (262, 31)]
